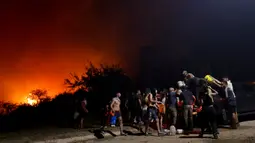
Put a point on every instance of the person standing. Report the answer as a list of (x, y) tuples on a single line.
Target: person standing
[(188, 99), (172, 104), (138, 107), (115, 107), (192, 83), (161, 109), (82, 112), (231, 104), (152, 113), (208, 112), (229, 83), (105, 116)]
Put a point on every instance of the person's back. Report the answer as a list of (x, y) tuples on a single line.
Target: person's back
[(172, 100), (193, 83), (187, 97)]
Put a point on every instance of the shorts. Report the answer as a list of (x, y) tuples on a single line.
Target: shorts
[(152, 113), (117, 114)]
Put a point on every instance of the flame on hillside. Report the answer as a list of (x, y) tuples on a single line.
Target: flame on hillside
[(31, 101)]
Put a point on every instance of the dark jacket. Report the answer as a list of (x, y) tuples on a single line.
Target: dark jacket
[(172, 100), (187, 97)]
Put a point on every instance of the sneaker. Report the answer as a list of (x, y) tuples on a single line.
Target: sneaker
[(123, 134), (161, 134), (147, 134), (215, 136), (200, 135), (112, 125)]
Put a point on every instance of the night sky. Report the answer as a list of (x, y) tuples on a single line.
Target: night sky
[(43, 41)]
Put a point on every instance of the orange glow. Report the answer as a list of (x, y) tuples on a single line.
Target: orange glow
[(31, 101), (41, 45)]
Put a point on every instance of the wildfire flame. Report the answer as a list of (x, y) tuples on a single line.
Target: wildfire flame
[(31, 101)]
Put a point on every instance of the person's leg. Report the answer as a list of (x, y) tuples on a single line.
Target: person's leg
[(81, 122), (119, 117), (186, 117), (203, 122), (139, 119), (236, 116), (160, 117), (155, 118), (190, 118), (103, 121), (213, 121), (234, 121), (133, 116), (174, 116), (148, 118)]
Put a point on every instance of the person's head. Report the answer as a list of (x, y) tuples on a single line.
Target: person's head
[(184, 73), (118, 94), (225, 79), (180, 84), (138, 91), (171, 89), (224, 83), (155, 90)]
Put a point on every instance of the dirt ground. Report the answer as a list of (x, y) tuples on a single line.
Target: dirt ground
[(245, 134)]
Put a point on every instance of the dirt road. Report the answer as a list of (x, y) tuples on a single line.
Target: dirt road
[(245, 134)]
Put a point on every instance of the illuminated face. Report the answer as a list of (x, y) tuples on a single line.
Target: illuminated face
[(118, 95)]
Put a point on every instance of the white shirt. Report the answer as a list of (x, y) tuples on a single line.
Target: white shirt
[(230, 85), (226, 91), (164, 100)]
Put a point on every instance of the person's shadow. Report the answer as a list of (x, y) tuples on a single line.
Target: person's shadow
[(187, 136), (100, 134), (133, 134)]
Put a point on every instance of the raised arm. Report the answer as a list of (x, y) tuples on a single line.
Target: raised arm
[(212, 91)]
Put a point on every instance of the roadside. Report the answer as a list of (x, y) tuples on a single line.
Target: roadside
[(246, 133), (58, 135), (68, 135)]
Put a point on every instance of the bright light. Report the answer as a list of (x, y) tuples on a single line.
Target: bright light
[(31, 101)]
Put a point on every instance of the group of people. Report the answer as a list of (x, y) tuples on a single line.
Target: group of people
[(192, 96)]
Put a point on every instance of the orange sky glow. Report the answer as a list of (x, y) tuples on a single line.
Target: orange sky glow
[(42, 42)]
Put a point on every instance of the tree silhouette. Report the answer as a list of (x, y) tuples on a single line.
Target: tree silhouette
[(40, 95), (102, 82), (8, 107)]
